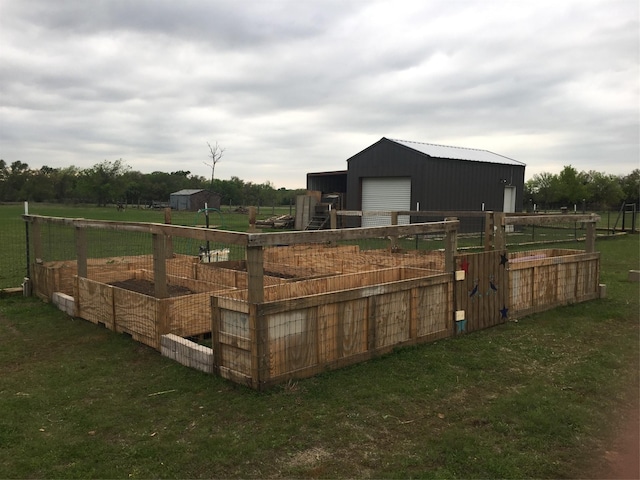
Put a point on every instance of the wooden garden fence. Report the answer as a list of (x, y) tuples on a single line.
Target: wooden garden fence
[(292, 304)]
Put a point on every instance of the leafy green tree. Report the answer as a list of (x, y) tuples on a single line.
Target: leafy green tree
[(542, 190), (65, 181), (16, 178), (39, 185), (103, 183), (571, 187), (4, 174), (630, 185), (603, 191)]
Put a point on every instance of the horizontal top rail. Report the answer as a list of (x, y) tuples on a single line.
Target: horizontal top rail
[(413, 213), (252, 239), (547, 219), (359, 233)]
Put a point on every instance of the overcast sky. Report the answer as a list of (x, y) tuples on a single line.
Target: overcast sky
[(290, 87)]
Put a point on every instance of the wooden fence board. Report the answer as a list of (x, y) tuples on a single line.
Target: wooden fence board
[(390, 315), (292, 341), (137, 315), (433, 309), (94, 302)]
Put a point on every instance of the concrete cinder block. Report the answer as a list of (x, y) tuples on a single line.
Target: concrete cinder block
[(634, 276), (64, 302), (602, 290), (187, 353)]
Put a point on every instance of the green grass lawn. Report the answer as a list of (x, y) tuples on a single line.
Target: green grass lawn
[(541, 397)]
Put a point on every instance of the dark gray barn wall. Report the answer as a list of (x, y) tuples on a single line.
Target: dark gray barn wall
[(327, 183), (437, 184)]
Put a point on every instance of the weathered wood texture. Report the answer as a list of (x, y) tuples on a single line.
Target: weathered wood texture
[(544, 279), (484, 293), (349, 258), (58, 276), (297, 310), (353, 319), (145, 317)]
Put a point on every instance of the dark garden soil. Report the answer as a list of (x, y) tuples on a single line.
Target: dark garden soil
[(147, 288)]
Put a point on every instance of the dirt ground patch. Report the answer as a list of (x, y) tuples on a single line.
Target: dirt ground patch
[(624, 459)]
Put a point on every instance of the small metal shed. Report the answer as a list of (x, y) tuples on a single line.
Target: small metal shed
[(193, 199)]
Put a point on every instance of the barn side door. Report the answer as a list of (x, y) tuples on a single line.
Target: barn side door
[(483, 295), (509, 205)]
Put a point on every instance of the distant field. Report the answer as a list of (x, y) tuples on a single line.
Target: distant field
[(12, 229)]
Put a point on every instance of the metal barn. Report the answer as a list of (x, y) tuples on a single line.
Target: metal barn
[(405, 175), (193, 199)]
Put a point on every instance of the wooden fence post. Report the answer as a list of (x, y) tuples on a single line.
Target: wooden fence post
[(590, 241), (252, 219), (394, 238), (334, 218), (450, 247), (257, 327), (499, 240), (159, 266)]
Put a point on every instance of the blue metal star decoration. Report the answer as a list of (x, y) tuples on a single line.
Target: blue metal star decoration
[(503, 259), (503, 311)]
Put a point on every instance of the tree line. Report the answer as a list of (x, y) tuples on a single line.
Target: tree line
[(111, 182), (583, 190)]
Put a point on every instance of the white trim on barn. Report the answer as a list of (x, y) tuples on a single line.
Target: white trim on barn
[(385, 194)]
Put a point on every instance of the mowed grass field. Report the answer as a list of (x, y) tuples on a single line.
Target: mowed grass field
[(542, 397)]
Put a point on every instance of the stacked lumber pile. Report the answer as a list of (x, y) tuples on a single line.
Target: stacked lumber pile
[(279, 221)]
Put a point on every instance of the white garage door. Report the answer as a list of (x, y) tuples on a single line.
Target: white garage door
[(385, 194)]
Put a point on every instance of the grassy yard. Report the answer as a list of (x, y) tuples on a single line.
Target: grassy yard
[(541, 397)]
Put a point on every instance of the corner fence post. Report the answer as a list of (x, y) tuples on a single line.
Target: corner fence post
[(160, 266), (257, 328)]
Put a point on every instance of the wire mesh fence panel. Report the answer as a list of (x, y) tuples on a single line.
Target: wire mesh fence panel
[(13, 255)]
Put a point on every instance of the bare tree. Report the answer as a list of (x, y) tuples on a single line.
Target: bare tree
[(216, 155)]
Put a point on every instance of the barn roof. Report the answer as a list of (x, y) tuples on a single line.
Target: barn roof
[(457, 153), (187, 191)]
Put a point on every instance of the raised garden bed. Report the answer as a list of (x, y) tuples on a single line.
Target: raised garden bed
[(543, 279), (140, 314), (309, 326)]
